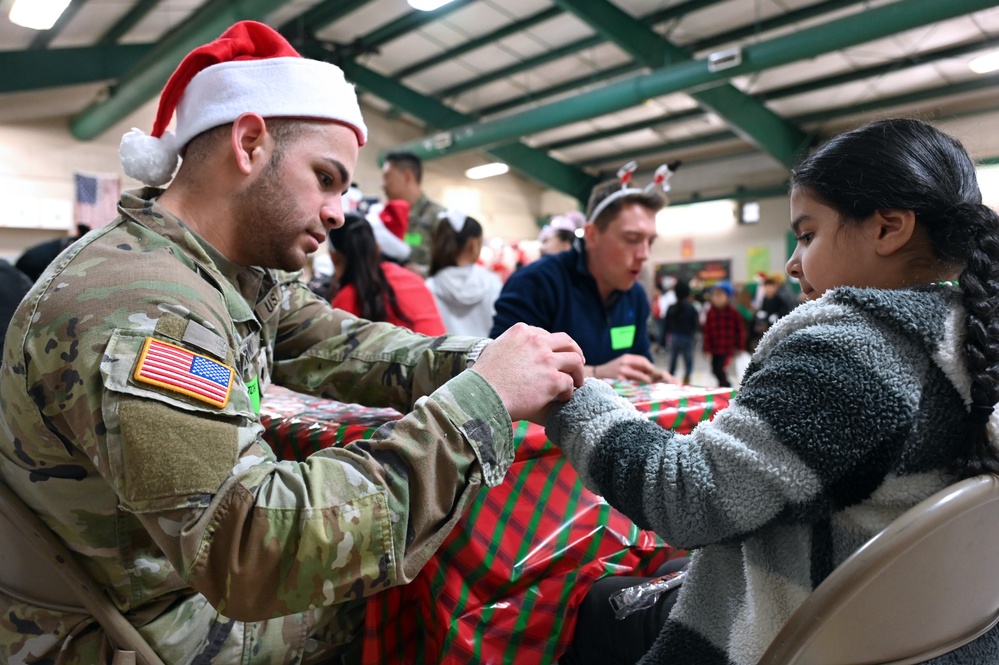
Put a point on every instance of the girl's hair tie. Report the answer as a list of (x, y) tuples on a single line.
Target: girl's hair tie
[(979, 414)]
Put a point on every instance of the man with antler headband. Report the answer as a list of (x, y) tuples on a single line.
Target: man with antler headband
[(591, 291)]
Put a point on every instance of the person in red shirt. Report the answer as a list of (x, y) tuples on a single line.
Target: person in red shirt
[(375, 289), (724, 331)]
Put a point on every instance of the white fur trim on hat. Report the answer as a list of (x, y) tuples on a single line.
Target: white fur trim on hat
[(284, 87)]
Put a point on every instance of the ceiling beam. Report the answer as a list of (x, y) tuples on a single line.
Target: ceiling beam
[(403, 25), (127, 22), (45, 37), (731, 36), (791, 90), (147, 78), (479, 42), (319, 16), (535, 164), (817, 117), (21, 71), (569, 49), (748, 117), (757, 28), (851, 30)]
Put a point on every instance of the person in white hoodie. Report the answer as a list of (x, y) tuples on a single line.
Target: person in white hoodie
[(464, 291)]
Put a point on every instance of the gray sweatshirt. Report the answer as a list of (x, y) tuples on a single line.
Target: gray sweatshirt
[(848, 415)]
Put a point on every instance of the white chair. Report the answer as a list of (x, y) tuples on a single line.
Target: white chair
[(38, 569), (924, 586)]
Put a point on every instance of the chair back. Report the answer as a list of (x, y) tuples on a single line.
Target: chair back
[(38, 569), (924, 586)]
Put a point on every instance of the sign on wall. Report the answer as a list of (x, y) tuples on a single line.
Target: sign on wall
[(699, 274)]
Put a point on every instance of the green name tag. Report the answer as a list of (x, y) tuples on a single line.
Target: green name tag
[(253, 387), (413, 239), (622, 337)]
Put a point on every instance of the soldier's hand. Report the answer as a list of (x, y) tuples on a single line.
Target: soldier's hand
[(529, 368)]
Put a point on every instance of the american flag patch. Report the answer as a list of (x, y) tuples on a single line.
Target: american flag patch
[(177, 369)]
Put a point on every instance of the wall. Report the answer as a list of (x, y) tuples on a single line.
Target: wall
[(770, 232), (37, 163)]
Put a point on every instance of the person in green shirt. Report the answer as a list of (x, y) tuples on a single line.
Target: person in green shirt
[(402, 178)]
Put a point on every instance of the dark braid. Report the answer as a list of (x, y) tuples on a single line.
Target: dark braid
[(980, 284), (905, 164)]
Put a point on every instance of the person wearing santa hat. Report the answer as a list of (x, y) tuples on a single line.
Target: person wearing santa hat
[(133, 372), (377, 289)]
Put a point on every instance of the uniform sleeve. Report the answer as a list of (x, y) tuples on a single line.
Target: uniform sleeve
[(319, 350), (262, 538), (819, 423), (526, 296)]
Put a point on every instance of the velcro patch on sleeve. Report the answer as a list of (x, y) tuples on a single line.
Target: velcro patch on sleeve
[(175, 368)]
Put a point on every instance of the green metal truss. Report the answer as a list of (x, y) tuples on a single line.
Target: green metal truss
[(841, 33), (748, 117), (533, 163)]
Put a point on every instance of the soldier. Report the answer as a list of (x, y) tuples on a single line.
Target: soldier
[(402, 178), (132, 374)]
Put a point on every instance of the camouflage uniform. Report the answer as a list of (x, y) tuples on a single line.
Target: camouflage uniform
[(218, 552), (422, 221)]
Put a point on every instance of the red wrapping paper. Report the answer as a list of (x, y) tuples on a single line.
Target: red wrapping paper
[(505, 584)]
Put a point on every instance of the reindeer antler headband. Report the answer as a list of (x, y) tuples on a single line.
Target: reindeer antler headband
[(660, 180)]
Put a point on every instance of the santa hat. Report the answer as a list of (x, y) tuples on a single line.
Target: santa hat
[(389, 223), (250, 68), (395, 216)]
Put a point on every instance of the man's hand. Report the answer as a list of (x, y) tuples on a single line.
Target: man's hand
[(529, 368), (633, 367)]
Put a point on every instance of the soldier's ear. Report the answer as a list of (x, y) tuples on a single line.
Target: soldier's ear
[(250, 142)]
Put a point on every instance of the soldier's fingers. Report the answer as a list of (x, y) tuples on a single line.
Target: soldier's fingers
[(570, 363), (562, 342)]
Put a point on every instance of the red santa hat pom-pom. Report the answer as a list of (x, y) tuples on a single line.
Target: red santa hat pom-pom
[(149, 159)]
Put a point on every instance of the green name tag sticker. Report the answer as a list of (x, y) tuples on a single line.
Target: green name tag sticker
[(622, 337), (253, 387), (413, 239)]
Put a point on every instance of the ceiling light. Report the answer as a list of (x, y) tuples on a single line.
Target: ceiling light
[(984, 64), (37, 14), (487, 170), (428, 5)]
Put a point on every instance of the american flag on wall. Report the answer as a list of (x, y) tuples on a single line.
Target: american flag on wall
[(96, 201)]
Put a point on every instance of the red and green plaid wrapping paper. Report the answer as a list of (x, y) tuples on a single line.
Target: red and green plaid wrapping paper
[(505, 584)]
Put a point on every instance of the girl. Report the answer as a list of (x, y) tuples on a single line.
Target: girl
[(464, 291), (855, 407), (374, 289)]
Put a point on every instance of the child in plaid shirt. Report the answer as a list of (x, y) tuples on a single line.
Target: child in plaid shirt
[(724, 332)]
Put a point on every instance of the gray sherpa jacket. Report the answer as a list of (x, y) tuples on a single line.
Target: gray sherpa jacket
[(848, 414)]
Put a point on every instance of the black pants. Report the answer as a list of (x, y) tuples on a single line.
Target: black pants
[(602, 639), (718, 364)]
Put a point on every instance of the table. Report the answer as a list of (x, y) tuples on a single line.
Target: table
[(505, 583)]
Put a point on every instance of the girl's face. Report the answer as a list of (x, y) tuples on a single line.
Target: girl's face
[(829, 253)]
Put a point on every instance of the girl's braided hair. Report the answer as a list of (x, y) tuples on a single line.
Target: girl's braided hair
[(906, 164)]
